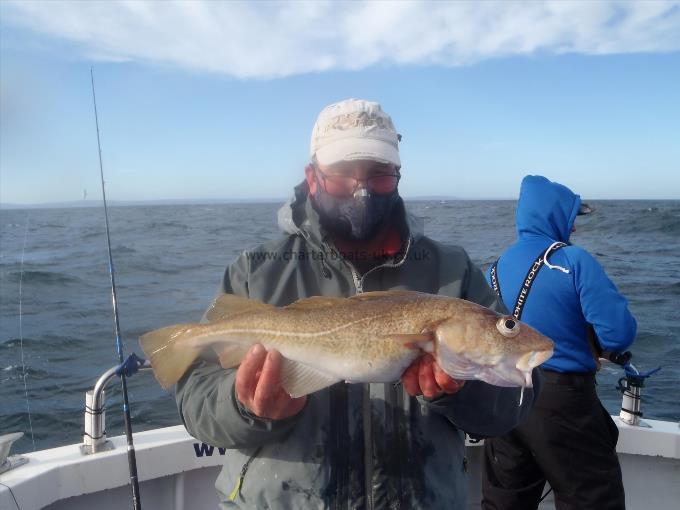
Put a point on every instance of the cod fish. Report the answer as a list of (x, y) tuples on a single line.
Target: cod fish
[(370, 337)]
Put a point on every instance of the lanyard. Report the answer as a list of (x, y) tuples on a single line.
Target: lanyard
[(528, 279)]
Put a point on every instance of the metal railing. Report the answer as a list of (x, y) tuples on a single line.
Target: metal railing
[(94, 437)]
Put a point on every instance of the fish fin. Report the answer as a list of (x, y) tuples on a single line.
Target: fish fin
[(415, 341), (381, 294), (299, 379), (227, 305), (169, 352), (313, 302), (231, 355)]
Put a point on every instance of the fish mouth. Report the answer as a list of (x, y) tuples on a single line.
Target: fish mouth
[(519, 378), (521, 375), (532, 359), (509, 372), (507, 376)]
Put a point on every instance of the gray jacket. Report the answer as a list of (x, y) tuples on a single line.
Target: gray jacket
[(352, 446)]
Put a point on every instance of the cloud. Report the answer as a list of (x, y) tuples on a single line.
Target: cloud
[(274, 39)]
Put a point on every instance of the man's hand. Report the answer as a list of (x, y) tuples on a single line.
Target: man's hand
[(258, 385), (424, 377)]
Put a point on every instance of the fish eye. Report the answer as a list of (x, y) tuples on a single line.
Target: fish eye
[(508, 327)]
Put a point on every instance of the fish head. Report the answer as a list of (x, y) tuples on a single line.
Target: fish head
[(498, 349)]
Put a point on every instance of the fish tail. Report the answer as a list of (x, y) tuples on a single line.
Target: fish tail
[(169, 352)]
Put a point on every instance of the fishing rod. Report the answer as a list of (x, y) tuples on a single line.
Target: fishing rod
[(24, 374), (132, 459)]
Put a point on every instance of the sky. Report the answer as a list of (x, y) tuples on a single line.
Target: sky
[(216, 100)]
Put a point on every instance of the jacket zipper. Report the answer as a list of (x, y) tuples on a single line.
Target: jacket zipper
[(366, 404), (359, 280), (367, 418), (236, 491), (368, 446)]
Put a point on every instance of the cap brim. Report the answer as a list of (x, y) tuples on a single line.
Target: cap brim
[(585, 209), (352, 149)]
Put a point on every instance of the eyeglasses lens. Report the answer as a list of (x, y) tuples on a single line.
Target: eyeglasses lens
[(341, 186)]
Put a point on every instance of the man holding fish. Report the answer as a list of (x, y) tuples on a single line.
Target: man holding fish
[(353, 292)]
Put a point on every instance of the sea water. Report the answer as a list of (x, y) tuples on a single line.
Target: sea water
[(169, 261)]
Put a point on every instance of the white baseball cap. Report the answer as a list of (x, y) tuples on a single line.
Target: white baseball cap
[(354, 129)]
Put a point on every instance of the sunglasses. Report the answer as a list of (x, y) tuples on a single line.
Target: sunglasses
[(343, 186)]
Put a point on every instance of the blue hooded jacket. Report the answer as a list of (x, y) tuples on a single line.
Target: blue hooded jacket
[(569, 293)]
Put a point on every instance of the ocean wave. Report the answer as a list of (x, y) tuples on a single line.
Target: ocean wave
[(655, 220), (43, 277), (167, 225), (117, 250), (92, 234), (16, 372), (673, 288), (46, 343), (69, 420)]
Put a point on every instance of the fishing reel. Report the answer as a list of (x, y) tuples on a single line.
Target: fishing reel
[(631, 387)]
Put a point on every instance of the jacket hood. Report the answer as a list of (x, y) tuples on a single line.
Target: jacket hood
[(297, 216), (546, 209)]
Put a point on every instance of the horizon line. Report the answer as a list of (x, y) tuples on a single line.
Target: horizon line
[(253, 200)]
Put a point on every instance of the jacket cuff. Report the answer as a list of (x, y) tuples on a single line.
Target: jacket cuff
[(251, 418)]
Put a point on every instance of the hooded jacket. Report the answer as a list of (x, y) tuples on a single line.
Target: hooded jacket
[(572, 290), (353, 446)]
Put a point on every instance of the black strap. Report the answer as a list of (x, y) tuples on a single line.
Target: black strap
[(528, 279), (494, 279)]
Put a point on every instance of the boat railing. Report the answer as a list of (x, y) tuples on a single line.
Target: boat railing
[(94, 437)]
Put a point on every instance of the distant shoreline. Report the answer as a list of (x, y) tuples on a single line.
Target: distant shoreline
[(78, 204)]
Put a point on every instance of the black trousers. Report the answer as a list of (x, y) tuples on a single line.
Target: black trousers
[(569, 440)]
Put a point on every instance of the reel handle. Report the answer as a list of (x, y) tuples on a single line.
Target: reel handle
[(618, 358)]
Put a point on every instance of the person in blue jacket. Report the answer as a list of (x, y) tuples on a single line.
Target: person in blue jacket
[(562, 291)]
